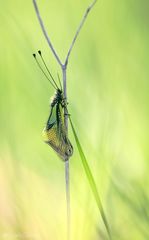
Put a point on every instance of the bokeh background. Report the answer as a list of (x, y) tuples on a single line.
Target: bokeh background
[(108, 101)]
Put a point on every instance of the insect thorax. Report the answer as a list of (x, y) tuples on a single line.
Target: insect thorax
[(58, 98)]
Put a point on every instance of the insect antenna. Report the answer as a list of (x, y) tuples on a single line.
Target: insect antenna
[(34, 55), (47, 68), (59, 81)]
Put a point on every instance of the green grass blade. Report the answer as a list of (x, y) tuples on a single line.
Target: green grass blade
[(91, 181)]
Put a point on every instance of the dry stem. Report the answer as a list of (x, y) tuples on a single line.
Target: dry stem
[(64, 68)]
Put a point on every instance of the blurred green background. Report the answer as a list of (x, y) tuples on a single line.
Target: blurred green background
[(108, 101)]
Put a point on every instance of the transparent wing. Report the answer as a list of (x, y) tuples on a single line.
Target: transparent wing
[(54, 133)]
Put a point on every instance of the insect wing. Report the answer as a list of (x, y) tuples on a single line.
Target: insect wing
[(54, 133)]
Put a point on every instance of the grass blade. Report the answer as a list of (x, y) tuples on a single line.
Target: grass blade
[(91, 181)]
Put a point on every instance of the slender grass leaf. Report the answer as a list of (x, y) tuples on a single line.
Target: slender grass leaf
[(91, 181)]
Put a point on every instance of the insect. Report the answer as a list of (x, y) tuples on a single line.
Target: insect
[(54, 133)]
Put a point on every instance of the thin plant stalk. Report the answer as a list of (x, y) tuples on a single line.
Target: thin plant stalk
[(64, 70)]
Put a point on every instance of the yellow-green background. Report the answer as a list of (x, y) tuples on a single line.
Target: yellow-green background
[(108, 100)]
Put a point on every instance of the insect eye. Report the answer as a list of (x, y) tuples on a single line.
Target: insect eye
[(69, 151)]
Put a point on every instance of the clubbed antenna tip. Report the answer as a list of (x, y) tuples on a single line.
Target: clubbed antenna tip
[(36, 59)]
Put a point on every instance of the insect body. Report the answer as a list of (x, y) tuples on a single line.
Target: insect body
[(54, 133)]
